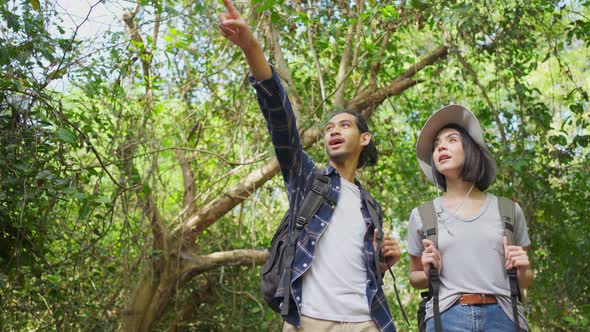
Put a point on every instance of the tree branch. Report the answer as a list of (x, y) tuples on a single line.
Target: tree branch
[(312, 48), (157, 21), (240, 257), (189, 182), (215, 209), (282, 68), (475, 79), (367, 101), (439, 53), (142, 51), (369, 98), (318, 67), (345, 62), (376, 66), (127, 149), (360, 4)]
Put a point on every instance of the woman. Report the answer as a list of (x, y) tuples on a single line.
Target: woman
[(469, 251)]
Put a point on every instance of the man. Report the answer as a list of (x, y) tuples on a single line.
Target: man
[(334, 282)]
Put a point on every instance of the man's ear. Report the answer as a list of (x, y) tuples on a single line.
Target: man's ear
[(365, 138)]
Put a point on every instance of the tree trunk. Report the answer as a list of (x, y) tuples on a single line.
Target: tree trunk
[(148, 303), (155, 291)]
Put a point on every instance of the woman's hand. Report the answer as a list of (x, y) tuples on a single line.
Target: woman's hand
[(516, 257), (430, 256)]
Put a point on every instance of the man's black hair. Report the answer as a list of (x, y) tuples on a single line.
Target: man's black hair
[(476, 169), (369, 154)]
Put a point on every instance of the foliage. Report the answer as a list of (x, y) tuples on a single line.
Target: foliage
[(80, 165)]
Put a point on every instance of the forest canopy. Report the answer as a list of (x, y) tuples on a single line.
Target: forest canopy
[(139, 188)]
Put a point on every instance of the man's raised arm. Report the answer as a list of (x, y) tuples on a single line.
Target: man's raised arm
[(273, 100)]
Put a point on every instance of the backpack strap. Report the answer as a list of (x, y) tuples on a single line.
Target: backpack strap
[(376, 221), (507, 213), (507, 209), (428, 217), (429, 221), (372, 207), (319, 192)]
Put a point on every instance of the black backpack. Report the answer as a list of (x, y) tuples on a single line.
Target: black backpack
[(277, 268), (429, 222)]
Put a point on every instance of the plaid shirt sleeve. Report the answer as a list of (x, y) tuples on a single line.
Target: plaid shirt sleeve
[(295, 164)]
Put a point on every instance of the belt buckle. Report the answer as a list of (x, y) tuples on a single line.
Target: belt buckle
[(483, 299)]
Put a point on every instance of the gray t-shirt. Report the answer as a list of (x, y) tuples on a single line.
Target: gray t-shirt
[(334, 288), (472, 253)]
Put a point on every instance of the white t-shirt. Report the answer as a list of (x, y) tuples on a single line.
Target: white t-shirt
[(334, 288), (472, 253)]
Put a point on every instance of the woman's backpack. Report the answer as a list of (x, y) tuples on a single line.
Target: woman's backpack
[(429, 221)]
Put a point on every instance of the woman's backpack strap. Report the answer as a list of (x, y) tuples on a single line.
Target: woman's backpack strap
[(429, 225), (428, 218), (507, 209)]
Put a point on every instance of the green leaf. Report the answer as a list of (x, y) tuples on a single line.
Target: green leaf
[(103, 199), (66, 135), (79, 195), (35, 4), (558, 140), (275, 17), (146, 189), (83, 213), (582, 140), (267, 5), (44, 174), (12, 21)]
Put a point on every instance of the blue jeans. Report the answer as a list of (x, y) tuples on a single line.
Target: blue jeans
[(473, 318)]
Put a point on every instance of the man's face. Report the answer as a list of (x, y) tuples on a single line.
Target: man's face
[(342, 138)]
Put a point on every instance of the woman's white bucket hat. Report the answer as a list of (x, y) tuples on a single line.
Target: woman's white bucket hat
[(451, 114)]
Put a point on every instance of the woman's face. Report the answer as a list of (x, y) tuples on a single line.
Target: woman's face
[(448, 154)]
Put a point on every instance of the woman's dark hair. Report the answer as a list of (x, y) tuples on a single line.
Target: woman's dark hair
[(477, 167), (369, 155)]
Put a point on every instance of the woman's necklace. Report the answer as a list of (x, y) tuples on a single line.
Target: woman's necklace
[(454, 213)]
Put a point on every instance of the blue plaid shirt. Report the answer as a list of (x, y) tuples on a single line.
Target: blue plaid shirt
[(298, 171)]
